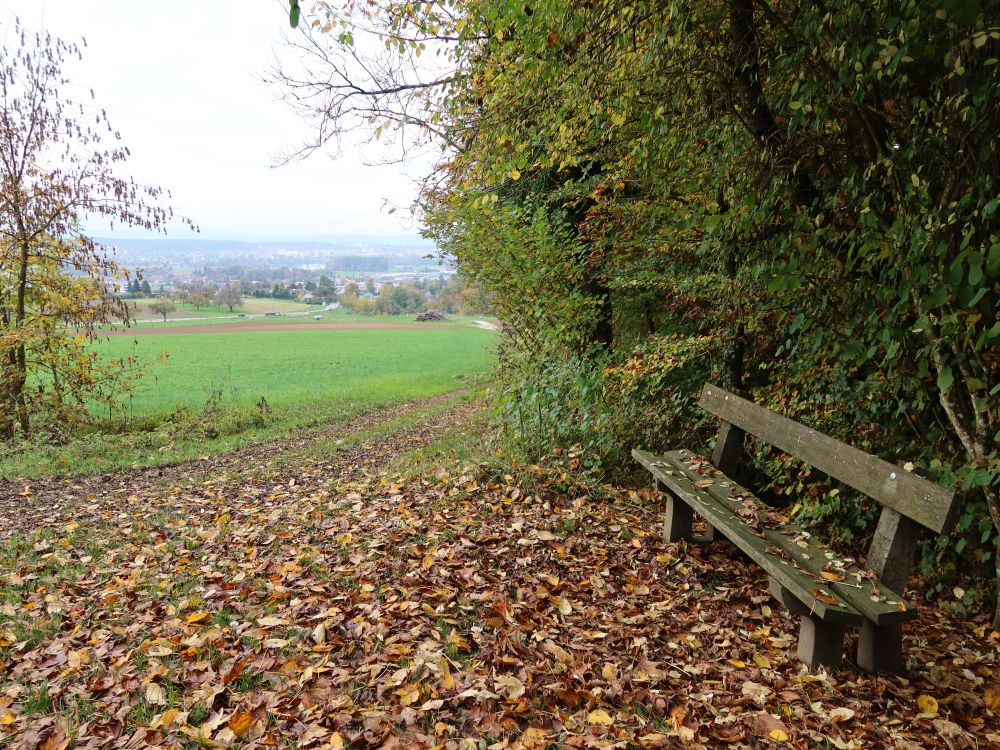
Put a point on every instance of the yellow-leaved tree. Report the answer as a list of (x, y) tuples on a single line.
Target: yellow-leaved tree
[(58, 167)]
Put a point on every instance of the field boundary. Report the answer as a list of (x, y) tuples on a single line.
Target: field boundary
[(168, 329)]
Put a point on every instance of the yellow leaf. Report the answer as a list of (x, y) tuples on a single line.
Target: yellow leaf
[(194, 617), (408, 694), (739, 663), (240, 722), (165, 719), (927, 704), (992, 700), (7, 718), (600, 716), (336, 742), (778, 735), (762, 661), (514, 175)]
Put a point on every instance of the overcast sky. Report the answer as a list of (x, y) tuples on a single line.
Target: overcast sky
[(179, 80)]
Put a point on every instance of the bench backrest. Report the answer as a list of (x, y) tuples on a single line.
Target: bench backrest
[(923, 501)]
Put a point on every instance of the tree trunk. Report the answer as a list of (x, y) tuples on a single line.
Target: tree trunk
[(993, 504), (20, 360), (757, 114), (996, 610)]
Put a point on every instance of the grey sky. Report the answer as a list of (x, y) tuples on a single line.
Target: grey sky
[(179, 80)]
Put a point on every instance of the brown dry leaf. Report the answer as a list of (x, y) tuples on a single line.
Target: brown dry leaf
[(953, 734), (562, 604), (840, 714), (511, 686), (272, 622), (825, 597), (155, 694), (758, 693), (57, 740), (728, 733)]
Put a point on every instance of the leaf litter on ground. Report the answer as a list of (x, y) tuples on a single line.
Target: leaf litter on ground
[(328, 605)]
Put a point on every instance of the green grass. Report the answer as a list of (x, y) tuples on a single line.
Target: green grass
[(292, 368), (453, 450), (308, 378)]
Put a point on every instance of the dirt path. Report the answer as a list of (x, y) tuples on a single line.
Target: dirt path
[(26, 505), (277, 327)]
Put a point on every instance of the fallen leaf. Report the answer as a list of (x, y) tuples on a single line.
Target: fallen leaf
[(240, 723), (601, 717), (756, 692), (840, 714), (927, 704), (155, 694)]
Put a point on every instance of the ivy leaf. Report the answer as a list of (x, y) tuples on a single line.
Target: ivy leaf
[(945, 379)]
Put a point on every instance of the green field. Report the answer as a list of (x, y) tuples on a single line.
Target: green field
[(292, 368), (205, 397)]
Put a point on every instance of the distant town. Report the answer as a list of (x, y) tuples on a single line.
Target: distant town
[(382, 275)]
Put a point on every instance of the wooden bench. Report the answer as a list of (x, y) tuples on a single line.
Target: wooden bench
[(827, 592)]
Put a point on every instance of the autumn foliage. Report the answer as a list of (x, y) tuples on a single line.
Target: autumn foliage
[(797, 200), (56, 284)]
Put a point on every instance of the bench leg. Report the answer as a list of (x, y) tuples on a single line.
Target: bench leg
[(820, 642), (880, 649), (678, 518), (708, 536), (786, 597)]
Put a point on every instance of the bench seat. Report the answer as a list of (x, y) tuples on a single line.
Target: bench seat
[(827, 591)]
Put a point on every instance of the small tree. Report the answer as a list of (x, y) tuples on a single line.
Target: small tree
[(55, 282), (230, 295), (163, 307), (198, 299)]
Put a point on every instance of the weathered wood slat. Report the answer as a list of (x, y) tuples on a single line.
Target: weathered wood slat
[(800, 583), (872, 598), (925, 502)]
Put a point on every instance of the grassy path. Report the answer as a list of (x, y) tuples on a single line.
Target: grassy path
[(363, 443)]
